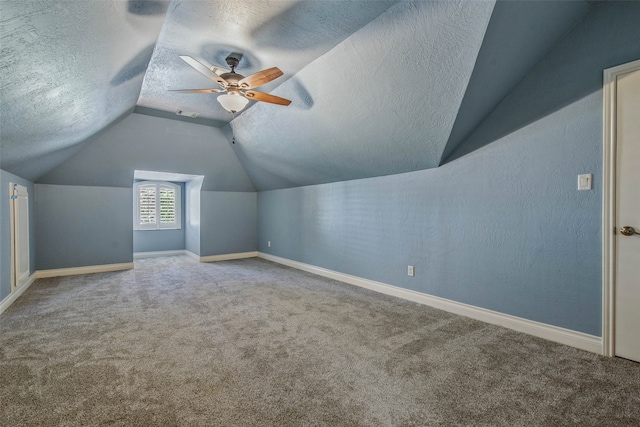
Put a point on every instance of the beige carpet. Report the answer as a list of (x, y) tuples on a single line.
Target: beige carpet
[(252, 343)]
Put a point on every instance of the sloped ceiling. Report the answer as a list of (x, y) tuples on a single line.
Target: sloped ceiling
[(519, 35), (68, 69), (382, 102), (411, 86), (378, 87), (286, 34)]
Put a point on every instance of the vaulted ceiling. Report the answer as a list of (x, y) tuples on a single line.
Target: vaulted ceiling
[(378, 87)]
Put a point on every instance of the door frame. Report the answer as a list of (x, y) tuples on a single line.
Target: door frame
[(609, 172), (17, 191), (12, 239)]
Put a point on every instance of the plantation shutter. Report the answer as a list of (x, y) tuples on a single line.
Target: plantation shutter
[(157, 206), (147, 207), (167, 206)]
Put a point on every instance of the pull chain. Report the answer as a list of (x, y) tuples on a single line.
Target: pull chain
[(233, 137)]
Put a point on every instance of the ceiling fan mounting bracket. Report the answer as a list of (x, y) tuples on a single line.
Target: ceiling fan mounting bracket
[(232, 61)]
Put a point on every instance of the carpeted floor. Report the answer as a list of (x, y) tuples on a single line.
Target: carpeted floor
[(252, 343)]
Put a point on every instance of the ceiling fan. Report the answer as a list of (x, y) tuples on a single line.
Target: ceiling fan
[(236, 87)]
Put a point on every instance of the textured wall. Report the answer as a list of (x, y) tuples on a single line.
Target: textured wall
[(81, 226), (502, 226), (162, 240), (228, 222), (158, 240), (153, 144), (5, 230)]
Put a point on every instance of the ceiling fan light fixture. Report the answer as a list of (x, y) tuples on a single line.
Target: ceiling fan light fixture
[(234, 84), (233, 103)]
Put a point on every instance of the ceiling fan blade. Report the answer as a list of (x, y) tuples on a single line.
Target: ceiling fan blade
[(265, 97), (196, 90), (203, 69), (219, 70), (260, 78)]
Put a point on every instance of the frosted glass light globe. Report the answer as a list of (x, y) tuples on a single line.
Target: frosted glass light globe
[(232, 102)]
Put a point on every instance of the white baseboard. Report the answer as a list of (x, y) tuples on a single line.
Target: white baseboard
[(84, 270), (192, 255), (10, 299), (158, 254), (552, 333), (210, 258), (226, 257)]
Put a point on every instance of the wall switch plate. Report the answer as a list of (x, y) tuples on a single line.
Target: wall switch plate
[(410, 270), (585, 181), (269, 243)]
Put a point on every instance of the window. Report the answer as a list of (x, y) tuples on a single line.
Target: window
[(157, 206)]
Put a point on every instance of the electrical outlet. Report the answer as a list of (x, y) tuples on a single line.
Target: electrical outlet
[(269, 243), (410, 270)]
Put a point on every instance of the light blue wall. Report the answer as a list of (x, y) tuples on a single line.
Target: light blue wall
[(82, 226), (141, 142), (503, 228), (162, 240), (501, 225), (5, 230), (228, 222), (158, 240)]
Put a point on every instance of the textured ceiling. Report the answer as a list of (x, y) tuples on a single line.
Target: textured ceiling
[(519, 35), (418, 80), (68, 69), (284, 34), (378, 87), (389, 109)]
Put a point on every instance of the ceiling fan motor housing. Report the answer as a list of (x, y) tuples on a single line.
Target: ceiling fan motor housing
[(232, 61), (232, 78)]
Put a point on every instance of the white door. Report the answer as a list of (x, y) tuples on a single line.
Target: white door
[(627, 283), (19, 235)]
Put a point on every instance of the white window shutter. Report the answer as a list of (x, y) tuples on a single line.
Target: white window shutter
[(157, 206), (167, 206), (147, 204)]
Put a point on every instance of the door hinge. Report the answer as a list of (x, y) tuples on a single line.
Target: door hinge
[(615, 231)]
